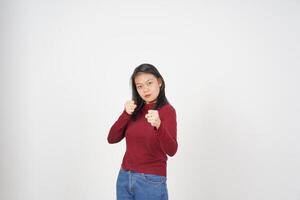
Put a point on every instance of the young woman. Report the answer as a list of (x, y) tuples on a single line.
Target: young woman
[(149, 125)]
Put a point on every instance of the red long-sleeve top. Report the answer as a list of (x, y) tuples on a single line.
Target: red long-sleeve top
[(146, 147)]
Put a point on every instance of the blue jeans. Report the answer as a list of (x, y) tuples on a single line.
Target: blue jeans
[(139, 186)]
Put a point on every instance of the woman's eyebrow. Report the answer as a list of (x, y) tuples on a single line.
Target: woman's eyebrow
[(145, 81)]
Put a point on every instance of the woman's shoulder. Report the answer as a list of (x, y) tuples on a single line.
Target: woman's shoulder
[(167, 109)]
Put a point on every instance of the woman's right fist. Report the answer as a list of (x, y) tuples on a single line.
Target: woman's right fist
[(130, 106)]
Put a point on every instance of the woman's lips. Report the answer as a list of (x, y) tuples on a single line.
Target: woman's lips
[(147, 96)]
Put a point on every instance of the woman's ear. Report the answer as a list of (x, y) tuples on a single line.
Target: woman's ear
[(159, 82)]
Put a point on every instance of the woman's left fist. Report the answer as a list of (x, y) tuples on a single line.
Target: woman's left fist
[(153, 118)]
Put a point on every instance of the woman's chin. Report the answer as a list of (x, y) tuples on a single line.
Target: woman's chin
[(147, 101)]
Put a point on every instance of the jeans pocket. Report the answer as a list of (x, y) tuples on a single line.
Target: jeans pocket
[(155, 179)]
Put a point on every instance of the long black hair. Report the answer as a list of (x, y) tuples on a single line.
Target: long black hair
[(161, 99)]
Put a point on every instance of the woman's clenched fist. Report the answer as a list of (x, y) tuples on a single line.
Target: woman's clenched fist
[(130, 106), (153, 118)]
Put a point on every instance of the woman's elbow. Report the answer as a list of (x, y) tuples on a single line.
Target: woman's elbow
[(173, 151), (111, 140)]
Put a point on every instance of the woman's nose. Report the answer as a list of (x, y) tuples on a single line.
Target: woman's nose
[(146, 89)]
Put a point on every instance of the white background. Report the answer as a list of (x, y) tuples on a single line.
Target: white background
[(231, 70)]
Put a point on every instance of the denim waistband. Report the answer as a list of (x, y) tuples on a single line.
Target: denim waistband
[(122, 169), (138, 173)]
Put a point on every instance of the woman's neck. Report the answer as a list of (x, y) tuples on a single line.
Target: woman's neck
[(150, 102)]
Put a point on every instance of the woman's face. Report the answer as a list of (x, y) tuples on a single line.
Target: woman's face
[(148, 86)]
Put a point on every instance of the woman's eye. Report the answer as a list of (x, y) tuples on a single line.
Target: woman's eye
[(139, 87), (149, 83)]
